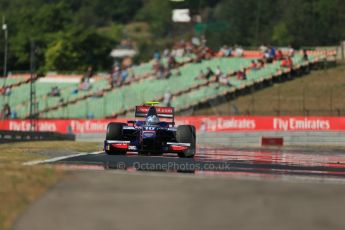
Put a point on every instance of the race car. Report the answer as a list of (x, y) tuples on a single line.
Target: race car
[(151, 136)]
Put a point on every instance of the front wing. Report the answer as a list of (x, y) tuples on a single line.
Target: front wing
[(169, 147)]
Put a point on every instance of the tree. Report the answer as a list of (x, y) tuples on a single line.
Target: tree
[(240, 18), (71, 34), (78, 49), (158, 14)]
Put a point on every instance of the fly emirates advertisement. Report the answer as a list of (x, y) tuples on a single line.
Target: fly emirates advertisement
[(202, 124)]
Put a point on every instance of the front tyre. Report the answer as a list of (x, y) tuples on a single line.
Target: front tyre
[(186, 134), (115, 133)]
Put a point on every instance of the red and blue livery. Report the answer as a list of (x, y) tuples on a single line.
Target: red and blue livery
[(151, 136)]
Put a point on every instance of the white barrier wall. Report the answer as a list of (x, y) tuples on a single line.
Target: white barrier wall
[(290, 138)]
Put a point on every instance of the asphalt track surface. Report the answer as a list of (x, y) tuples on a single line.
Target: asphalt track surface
[(267, 189), (224, 161)]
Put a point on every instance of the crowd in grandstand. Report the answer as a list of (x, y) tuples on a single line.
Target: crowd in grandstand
[(164, 62), (167, 63)]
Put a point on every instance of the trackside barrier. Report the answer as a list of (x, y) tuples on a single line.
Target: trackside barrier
[(254, 139), (20, 136), (203, 124), (217, 130)]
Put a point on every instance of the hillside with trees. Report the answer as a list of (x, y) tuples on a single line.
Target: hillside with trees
[(72, 34)]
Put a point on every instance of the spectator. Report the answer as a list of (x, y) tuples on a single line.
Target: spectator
[(221, 52), (209, 53), (239, 51), (85, 80), (124, 75), (89, 73), (290, 62), (218, 72), (244, 77), (167, 99), (7, 91), (54, 92), (305, 56), (209, 73), (254, 65), (203, 127), (268, 56), (131, 74), (196, 41), (263, 48), (291, 51), (261, 63), (13, 114), (98, 93), (223, 80), (171, 62), (284, 63), (84, 84), (157, 55), (166, 53), (287, 63), (5, 112), (161, 71), (166, 73), (180, 52), (75, 91), (272, 52), (189, 48), (226, 51), (279, 55), (241, 74), (115, 76), (90, 115), (199, 57), (155, 67)]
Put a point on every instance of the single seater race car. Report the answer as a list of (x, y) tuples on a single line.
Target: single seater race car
[(151, 136)]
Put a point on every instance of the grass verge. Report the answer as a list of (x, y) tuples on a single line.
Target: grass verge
[(20, 185)]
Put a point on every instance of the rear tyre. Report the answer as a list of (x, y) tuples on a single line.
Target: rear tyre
[(115, 132), (186, 134)]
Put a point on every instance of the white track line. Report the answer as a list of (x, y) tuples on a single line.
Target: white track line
[(59, 158)]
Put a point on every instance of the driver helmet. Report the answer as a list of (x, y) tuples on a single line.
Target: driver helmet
[(152, 120)]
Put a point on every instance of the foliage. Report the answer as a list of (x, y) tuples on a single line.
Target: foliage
[(301, 22), (158, 14), (71, 34), (75, 51)]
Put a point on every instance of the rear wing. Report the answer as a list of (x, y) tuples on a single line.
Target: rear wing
[(162, 112)]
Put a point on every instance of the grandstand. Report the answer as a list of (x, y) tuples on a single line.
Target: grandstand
[(104, 101)]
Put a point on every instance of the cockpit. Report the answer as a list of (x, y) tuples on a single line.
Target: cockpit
[(152, 117)]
